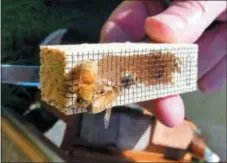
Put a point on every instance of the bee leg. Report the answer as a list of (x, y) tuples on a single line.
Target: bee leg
[(107, 118), (136, 83)]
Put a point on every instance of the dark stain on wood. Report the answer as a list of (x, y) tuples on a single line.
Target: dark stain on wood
[(150, 69)]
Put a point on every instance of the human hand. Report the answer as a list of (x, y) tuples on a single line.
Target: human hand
[(182, 22)]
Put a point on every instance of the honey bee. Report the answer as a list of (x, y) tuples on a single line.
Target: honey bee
[(105, 100), (85, 94), (128, 78), (86, 73), (96, 95), (84, 78)]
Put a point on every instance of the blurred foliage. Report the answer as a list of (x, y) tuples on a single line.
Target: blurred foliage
[(25, 23)]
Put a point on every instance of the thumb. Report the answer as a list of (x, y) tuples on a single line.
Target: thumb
[(183, 21)]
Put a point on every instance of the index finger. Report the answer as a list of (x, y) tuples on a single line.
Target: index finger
[(126, 23), (184, 21)]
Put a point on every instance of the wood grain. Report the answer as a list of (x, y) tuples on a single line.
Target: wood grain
[(23, 144), (151, 157)]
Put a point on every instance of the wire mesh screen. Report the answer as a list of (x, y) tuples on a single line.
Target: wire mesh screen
[(119, 74)]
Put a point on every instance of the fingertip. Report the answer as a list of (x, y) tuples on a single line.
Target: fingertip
[(183, 21), (170, 110), (112, 32), (126, 23), (206, 86), (159, 31), (215, 79)]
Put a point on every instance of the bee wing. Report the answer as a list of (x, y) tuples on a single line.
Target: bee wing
[(107, 118), (178, 62), (104, 101)]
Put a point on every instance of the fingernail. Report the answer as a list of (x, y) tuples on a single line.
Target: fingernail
[(112, 32), (174, 22), (182, 14)]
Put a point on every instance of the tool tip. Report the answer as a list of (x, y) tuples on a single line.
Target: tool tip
[(211, 156)]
